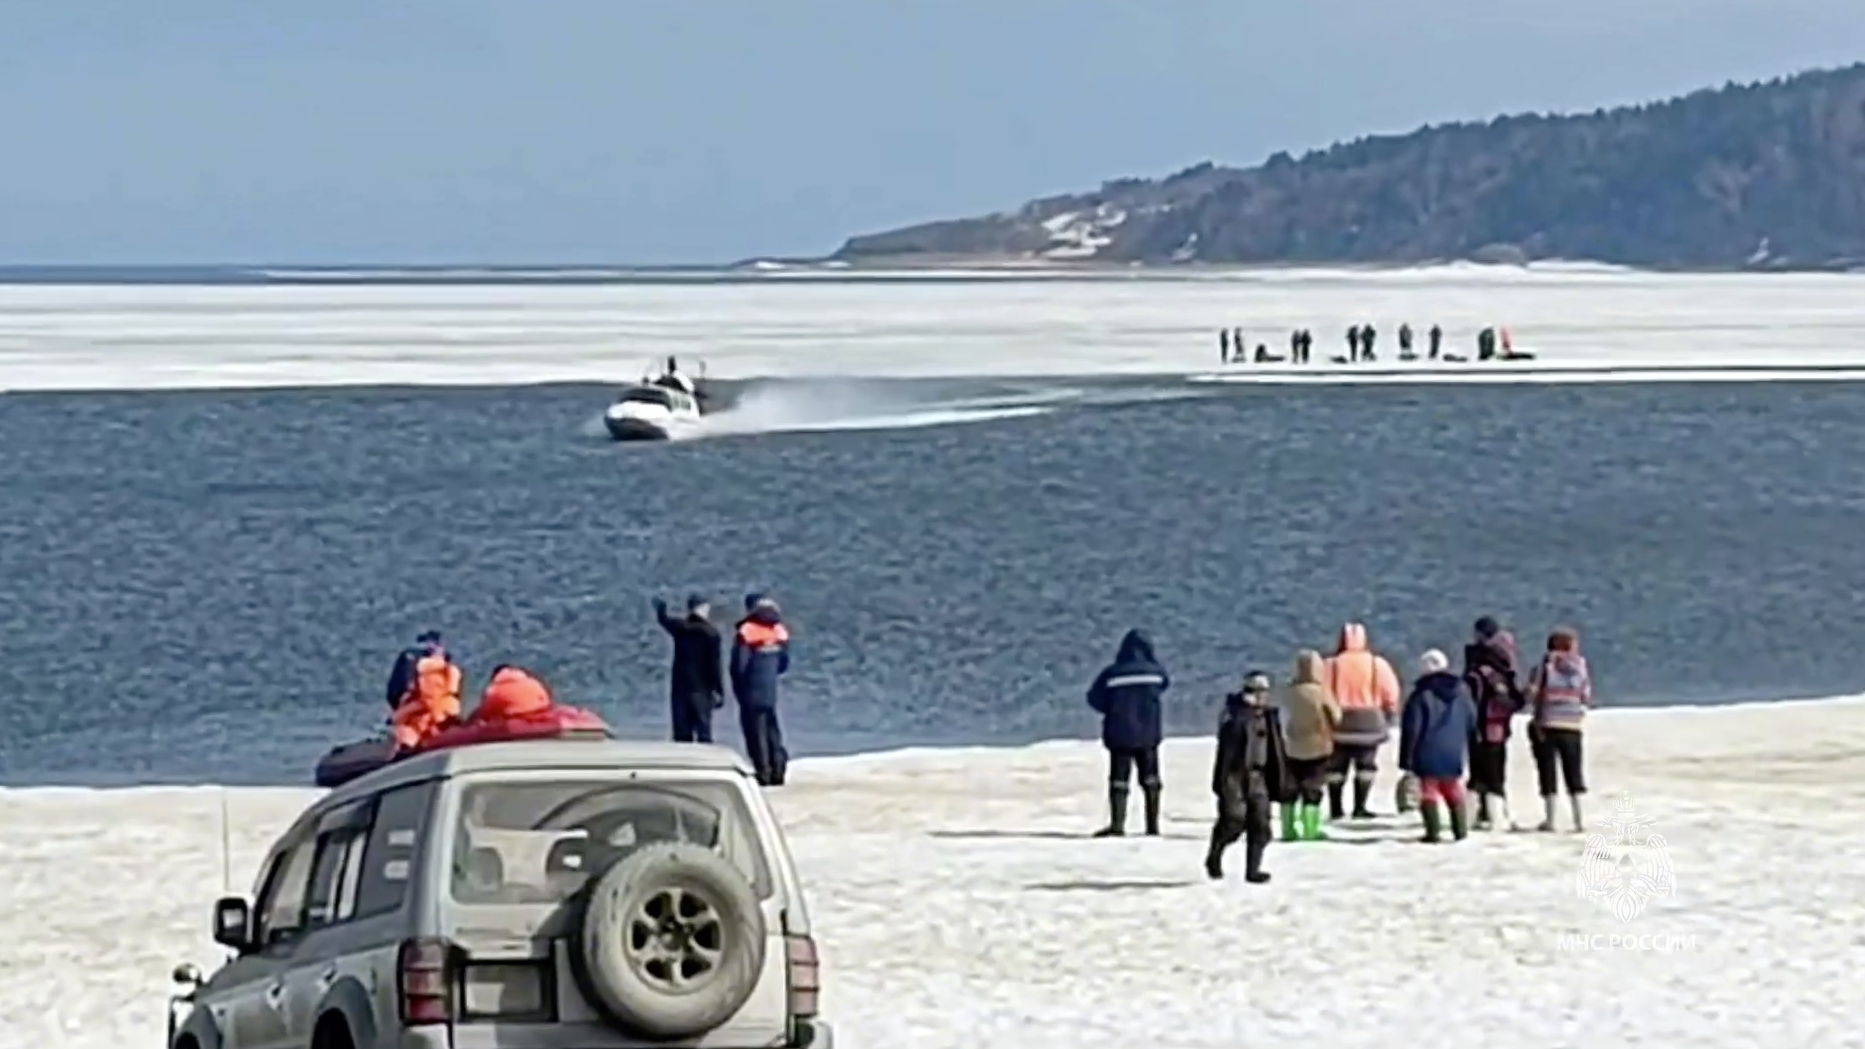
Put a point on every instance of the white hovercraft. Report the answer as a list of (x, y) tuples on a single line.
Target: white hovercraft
[(660, 408)]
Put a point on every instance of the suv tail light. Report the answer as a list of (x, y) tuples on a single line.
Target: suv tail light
[(805, 974), (424, 977)]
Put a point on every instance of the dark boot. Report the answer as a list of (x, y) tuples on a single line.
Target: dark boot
[(1433, 826), (1362, 789), (1214, 857), (1116, 814), (1336, 810), (1460, 820), (1149, 796), (1483, 821), (1253, 848)]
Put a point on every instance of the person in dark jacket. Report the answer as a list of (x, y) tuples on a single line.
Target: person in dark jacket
[(696, 687), (1435, 339), (401, 675), (1490, 675), (1249, 774), (760, 656), (1434, 737), (1127, 696)]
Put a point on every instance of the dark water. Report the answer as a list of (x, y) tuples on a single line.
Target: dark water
[(209, 586)]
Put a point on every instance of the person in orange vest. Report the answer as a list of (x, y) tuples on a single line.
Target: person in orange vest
[(433, 701), (1367, 689), (760, 656)]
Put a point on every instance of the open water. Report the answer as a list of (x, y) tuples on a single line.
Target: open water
[(208, 584)]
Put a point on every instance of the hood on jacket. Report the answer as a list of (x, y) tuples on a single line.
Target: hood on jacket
[(1310, 668), (1441, 683), (1135, 647), (1352, 638)]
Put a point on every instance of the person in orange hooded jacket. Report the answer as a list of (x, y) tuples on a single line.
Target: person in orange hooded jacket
[(1367, 689), (432, 703), (512, 695)]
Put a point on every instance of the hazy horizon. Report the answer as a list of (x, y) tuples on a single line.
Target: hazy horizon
[(483, 132)]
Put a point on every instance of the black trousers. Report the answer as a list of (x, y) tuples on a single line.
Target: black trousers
[(1359, 758), (1489, 767), (1122, 764), (764, 744), (1249, 821), (1559, 751), (1310, 776), (692, 720)]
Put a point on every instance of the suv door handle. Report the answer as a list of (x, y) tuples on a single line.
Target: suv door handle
[(328, 976), (275, 994)]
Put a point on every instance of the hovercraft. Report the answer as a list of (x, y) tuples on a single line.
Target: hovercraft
[(660, 408)]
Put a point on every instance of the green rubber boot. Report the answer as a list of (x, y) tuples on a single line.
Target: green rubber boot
[(1290, 832), (1311, 824)]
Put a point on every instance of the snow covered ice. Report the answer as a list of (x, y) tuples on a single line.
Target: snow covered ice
[(959, 903)]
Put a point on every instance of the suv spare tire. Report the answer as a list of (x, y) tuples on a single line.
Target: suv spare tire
[(672, 942)]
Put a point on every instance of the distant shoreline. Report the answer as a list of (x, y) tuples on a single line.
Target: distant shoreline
[(895, 269)]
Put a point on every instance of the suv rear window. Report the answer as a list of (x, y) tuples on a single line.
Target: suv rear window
[(539, 841)]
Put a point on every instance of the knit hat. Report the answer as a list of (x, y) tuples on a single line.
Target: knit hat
[(1257, 681), (1433, 662)]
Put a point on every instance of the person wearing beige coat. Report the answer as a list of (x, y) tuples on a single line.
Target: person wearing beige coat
[(1310, 713)]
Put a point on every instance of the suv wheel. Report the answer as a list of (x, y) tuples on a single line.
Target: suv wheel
[(672, 942)]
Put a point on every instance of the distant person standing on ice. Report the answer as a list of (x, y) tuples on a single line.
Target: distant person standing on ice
[(1368, 336), (1560, 691), (1435, 340), (1489, 672), (1248, 775), (1434, 740), (1127, 694), (1223, 345), (1367, 689), (1405, 342), (1353, 342), (760, 657)]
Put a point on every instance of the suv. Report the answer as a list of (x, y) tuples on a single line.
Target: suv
[(549, 894)]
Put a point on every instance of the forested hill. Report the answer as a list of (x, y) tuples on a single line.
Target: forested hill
[(1768, 175)]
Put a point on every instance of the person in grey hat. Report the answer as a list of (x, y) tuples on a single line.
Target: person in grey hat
[(696, 686)]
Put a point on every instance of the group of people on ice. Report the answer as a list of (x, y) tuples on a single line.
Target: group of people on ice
[(1319, 736), (424, 684), (1491, 344)]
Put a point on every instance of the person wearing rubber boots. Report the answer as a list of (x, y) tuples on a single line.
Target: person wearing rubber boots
[(1367, 689), (1434, 743), (1128, 693), (1309, 715), (696, 689), (760, 658), (1249, 774)]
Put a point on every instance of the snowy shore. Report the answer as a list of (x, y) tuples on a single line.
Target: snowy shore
[(959, 903)]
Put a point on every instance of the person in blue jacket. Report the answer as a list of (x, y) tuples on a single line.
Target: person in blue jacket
[(1435, 727), (1127, 696), (401, 675), (760, 656)]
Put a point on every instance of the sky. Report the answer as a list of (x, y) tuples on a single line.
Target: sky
[(535, 132)]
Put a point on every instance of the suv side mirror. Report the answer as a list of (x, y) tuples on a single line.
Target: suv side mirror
[(233, 923)]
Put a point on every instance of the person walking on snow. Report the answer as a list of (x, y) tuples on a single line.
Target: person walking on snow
[(1127, 694), (1434, 738), (1309, 716), (1249, 774), (1560, 692), (1367, 689)]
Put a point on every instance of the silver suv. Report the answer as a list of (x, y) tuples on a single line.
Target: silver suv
[(550, 894)]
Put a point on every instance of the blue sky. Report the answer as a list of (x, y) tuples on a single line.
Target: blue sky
[(537, 131)]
